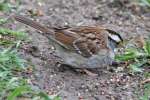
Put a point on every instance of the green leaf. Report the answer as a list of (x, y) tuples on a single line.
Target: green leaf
[(18, 91), (19, 35), (145, 2), (130, 54), (57, 98), (146, 92), (4, 74), (135, 68), (45, 96), (4, 7), (3, 20), (147, 47)]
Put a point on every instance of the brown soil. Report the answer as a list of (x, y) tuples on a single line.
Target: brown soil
[(123, 16)]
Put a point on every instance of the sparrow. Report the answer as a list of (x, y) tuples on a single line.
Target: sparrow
[(83, 47)]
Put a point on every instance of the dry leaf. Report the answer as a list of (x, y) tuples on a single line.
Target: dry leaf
[(146, 81), (139, 41)]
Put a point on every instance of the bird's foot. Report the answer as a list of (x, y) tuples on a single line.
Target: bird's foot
[(90, 73)]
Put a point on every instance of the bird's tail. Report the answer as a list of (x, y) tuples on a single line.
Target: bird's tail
[(32, 23)]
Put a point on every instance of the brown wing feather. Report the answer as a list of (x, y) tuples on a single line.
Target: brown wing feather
[(84, 39), (92, 40)]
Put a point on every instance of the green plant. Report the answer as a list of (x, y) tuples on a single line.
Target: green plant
[(10, 63), (3, 20), (8, 37), (146, 94), (11, 84), (4, 7), (18, 91), (145, 2), (137, 58), (18, 35), (7, 6)]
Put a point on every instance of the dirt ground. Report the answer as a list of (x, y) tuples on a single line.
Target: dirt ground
[(123, 16)]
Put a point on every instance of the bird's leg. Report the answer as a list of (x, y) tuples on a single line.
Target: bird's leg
[(115, 63), (89, 72), (86, 71)]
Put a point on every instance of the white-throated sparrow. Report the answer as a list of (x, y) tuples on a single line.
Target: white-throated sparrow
[(80, 47)]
